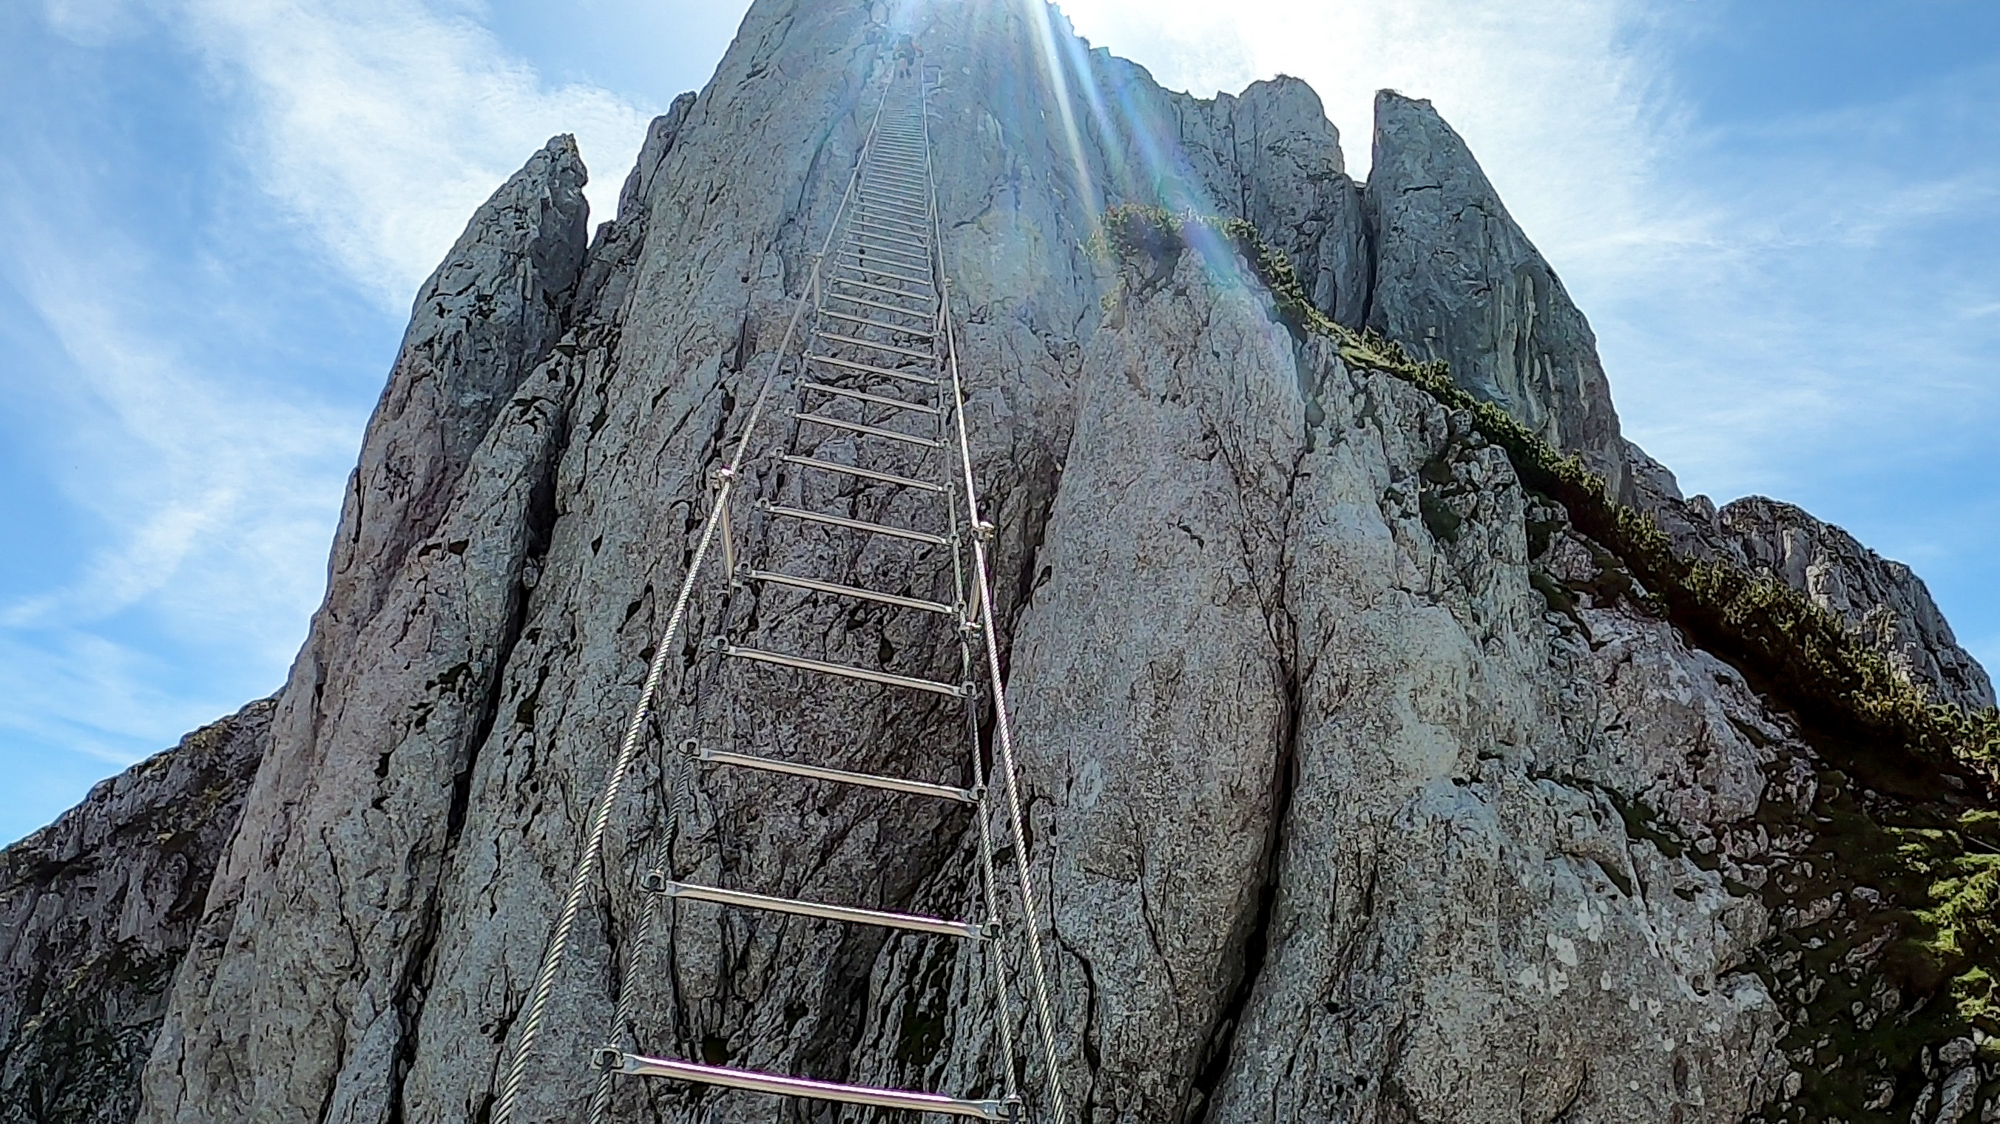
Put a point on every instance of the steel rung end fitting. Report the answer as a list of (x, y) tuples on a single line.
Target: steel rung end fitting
[(607, 1059)]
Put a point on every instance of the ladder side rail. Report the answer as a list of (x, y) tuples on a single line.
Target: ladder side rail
[(983, 591)]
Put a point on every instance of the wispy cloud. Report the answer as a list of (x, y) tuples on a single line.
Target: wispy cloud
[(383, 123), (207, 324)]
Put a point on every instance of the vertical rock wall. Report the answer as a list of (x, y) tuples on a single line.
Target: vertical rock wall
[(325, 908), (98, 909), (1357, 789), (1456, 279)]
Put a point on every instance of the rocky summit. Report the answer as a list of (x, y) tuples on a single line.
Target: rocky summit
[(1376, 770)]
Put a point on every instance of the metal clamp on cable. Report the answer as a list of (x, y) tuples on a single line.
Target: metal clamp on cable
[(654, 882), (984, 530), (692, 747), (721, 475), (608, 1059)]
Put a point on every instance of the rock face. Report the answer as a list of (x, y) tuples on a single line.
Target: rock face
[(1883, 600), (320, 921), (1456, 279), (96, 911), (1360, 787)]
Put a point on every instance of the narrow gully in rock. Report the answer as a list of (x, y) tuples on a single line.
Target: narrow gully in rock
[(1220, 1049)]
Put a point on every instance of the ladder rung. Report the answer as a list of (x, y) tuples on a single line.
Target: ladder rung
[(917, 332), (877, 230), (901, 259), (839, 776), (838, 338), (864, 473), (847, 671), (891, 290), (875, 399), (921, 380), (854, 591), (911, 224), (743, 899), (868, 430), (909, 205), (886, 239), (636, 1065), (865, 222), (878, 271), (907, 258), (910, 202), (924, 312), (917, 212), (769, 508)]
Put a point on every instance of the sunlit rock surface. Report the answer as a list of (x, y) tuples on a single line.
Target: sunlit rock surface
[(1359, 785)]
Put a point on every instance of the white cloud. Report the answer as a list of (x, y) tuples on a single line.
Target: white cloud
[(194, 455), (382, 124)]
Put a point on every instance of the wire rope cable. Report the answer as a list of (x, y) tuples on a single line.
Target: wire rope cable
[(587, 863), (1044, 1015)]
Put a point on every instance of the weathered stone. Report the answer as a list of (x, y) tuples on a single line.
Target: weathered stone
[(1359, 785), (1456, 279), (97, 910), (305, 1004), (1885, 601)]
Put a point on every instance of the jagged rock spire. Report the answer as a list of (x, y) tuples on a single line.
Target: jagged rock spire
[(1456, 279)]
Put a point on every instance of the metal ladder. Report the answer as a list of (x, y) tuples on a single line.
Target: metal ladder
[(878, 370)]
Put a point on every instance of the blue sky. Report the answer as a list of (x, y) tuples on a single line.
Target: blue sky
[(1779, 215)]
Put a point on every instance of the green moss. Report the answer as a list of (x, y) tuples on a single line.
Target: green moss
[(1808, 652), (1799, 651)]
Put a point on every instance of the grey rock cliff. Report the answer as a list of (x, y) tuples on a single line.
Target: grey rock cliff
[(1360, 787), (96, 912), (1456, 279), (317, 929), (1884, 601)]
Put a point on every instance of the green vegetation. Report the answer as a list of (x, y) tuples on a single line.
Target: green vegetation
[(1808, 653), (1946, 865)]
